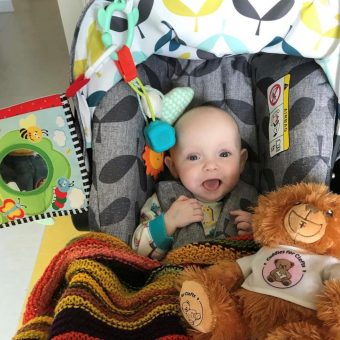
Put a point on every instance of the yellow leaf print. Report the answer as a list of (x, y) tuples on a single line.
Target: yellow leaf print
[(333, 33), (94, 44), (310, 18), (177, 7), (94, 49), (324, 2), (79, 67), (185, 55)]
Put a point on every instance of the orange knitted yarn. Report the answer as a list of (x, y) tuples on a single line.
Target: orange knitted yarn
[(98, 288), (213, 251)]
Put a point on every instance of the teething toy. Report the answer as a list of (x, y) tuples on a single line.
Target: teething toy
[(159, 134)]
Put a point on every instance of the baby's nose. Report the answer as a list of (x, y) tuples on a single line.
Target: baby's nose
[(210, 166)]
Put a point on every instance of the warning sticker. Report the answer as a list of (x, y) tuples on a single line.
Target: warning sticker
[(277, 95)]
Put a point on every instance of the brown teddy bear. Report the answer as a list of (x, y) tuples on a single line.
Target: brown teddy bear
[(289, 289)]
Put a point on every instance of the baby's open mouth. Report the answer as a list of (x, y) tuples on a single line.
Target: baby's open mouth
[(211, 184)]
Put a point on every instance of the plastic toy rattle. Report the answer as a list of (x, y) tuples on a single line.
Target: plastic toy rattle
[(159, 134)]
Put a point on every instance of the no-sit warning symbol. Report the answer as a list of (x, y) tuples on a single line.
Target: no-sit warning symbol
[(275, 94)]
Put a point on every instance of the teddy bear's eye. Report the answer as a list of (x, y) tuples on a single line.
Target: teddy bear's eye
[(297, 203), (329, 213)]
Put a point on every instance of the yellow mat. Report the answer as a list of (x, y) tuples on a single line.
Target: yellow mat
[(54, 239)]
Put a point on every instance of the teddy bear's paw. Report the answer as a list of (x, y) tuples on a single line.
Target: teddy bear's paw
[(297, 331), (226, 273), (211, 310), (195, 306), (328, 307)]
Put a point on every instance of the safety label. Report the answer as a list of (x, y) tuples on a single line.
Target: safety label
[(277, 95)]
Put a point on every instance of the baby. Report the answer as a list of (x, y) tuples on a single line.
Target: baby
[(207, 160)]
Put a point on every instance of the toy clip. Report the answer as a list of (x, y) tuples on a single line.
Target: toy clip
[(104, 20), (122, 58), (83, 79), (159, 134)]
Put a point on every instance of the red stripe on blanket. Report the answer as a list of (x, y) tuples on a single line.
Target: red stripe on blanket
[(31, 106), (39, 301), (75, 336), (174, 337)]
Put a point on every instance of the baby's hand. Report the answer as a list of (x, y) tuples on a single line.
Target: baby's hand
[(181, 213), (242, 220)]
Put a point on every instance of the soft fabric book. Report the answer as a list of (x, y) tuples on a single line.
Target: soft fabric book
[(42, 170)]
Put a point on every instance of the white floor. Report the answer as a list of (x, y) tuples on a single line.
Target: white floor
[(18, 251), (34, 59), (34, 62)]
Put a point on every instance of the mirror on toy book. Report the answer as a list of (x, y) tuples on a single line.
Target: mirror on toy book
[(42, 171), (23, 170)]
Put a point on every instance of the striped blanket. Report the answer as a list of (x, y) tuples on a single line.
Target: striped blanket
[(98, 288)]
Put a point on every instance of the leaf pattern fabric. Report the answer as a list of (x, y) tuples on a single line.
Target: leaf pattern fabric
[(207, 29), (237, 84), (278, 11), (311, 125), (120, 184), (184, 43)]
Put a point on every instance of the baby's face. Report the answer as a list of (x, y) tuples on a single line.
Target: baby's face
[(207, 157)]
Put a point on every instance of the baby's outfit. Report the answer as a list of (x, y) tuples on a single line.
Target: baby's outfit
[(150, 237)]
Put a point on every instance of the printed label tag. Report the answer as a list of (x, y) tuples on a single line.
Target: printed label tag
[(277, 95)]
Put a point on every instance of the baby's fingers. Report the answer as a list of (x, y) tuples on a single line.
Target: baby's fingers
[(244, 232), (244, 229), (244, 226), (198, 212), (182, 198), (193, 201), (197, 218), (236, 212), (240, 219)]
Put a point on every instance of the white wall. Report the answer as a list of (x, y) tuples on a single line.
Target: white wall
[(6, 6), (70, 11)]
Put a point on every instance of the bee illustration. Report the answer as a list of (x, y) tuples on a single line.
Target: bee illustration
[(60, 192), (12, 209), (30, 131)]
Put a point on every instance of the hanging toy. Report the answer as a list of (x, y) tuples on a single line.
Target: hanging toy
[(159, 133), (169, 107), (122, 58), (154, 162)]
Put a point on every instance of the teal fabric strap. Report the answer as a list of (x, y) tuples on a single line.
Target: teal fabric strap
[(158, 233)]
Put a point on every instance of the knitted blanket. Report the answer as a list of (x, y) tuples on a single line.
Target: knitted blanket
[(98, 288)]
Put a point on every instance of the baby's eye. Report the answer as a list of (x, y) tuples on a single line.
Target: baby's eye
[(225, 154), (192, 157)]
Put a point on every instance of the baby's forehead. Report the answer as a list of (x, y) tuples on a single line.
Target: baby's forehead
[(206, 123), (202, 117)]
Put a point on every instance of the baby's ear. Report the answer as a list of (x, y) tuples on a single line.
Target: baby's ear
[(171, 166), (243, 159)]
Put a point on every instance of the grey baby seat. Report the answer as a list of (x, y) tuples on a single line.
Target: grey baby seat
[(235, 82)]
